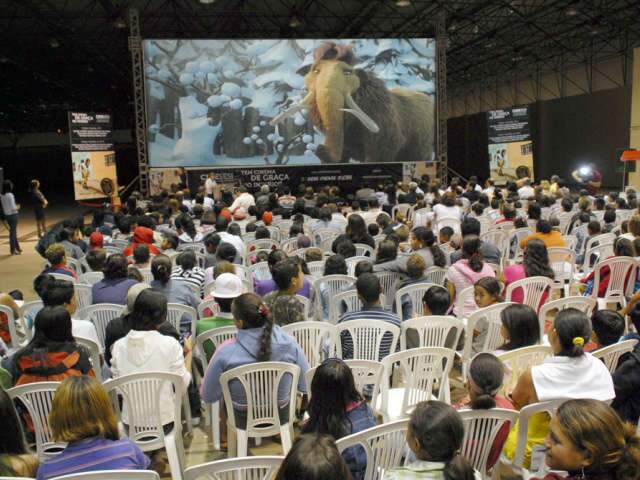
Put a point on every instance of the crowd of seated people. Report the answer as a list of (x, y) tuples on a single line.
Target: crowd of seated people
[(195, 251)]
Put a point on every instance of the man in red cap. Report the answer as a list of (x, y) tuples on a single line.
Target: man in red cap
[(96, 240)]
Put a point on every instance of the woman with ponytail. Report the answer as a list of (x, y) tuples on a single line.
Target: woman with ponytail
[(570, 373), (466, 272), (435, 434), (257, 340), (423, 242), (588, 439)]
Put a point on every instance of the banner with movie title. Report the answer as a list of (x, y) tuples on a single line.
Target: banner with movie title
[(510, 144)]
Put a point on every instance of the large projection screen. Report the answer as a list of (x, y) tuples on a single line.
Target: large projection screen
[(235, 103)]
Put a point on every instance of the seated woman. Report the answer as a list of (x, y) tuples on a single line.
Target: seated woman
[(423, 243), (114, 286), (338, 409), (52, 354), (621, 248), (258, 340), (82, 415), (189, 272), (313, 457), (588, 440), (15, 458), (569, 373), (264, 287), (386, 257), (520, 328), (544, 233)]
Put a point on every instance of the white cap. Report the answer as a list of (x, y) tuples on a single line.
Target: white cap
[(227, 285)]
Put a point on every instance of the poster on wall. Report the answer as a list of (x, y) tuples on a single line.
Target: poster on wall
[(246, 103), (510, 144), (92, 155)]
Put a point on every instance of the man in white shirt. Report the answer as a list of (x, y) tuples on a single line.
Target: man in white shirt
[(209, 185), (222, 224), (526, 191), (373, 212), (243, 201)]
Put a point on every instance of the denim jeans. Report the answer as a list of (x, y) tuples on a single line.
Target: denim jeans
[(12, 220)]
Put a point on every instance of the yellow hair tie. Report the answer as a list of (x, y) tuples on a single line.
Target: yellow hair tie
[(578, 341)]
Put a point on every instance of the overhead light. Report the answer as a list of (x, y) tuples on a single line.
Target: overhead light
[(295, 21), (571, 12), (53, 43), (403, 3), (207, 2), (120, 23)]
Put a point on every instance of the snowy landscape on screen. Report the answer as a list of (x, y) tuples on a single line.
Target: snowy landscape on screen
[(209, 102)]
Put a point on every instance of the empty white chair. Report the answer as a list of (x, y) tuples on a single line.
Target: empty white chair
[(415, 293), (584, 304), (37, 399), (497, 237), (520, 360), (611, 355), (480, 430), (316, 269), (274, 233), (389, 284), (622, 276), (91, 278), (435, 275), (533, 289), (176, 313), (247, 468), (353, 261), (94, 353), (312, 337), (514, 241), (432, 331), (260, 382), (423, 370), (385, 446), (289, 245), (100, 315), (141, 395), (322, 236), (365, 338), (84, 296), (595, 254), (454, 223), (112, 474), (563, 264)]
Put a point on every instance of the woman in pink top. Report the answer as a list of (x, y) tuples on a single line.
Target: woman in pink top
[(534, 264), (465, 273)]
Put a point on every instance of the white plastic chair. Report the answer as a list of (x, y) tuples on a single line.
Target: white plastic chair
[(274, 233), (533, 289), (461, 300), (389, 284), (175, 313), (146, 275), (216, 337), (432, 331), (84, 296), (611, 355), (435, 275), (497, 237), (62, 276), (454, 223), (353, 261), (259, 271), (335, 284), (563, 264), (111, 250), (247, 468), (91, 278), (100, 315), (571, 241), (208, 305), (602, 239), (94, 353), (480, 430), (141, 395), (37, 399), (422, 370), (30, 309), (197, 247), (364, 250), (260, 382), (622, 275), (261, 244), (514, 239), (385, 447), (316, 269), (584, 304), (378, 239), (290, 245), (112, 474), (366, 337), (312, 337), (415, 293), (75, 265), (596, 254), (520, 360), (322, 236)]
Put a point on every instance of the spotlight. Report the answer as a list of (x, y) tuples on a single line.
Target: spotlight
[(571, 12), (120, 23), (584, 171), (403, 3), (207, 2), (53, 43), (295, 21)]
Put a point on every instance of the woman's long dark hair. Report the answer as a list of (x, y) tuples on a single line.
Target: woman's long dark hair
[(387, 251), (332, 390), (571, 324), (521, 322), (12, 440), (486, 372), (536, 260), (186, 222), (471, 253), (149, 310), (313, 457), (250, 308), (52, 327), (357, 229), (161, 268), (428, 240)]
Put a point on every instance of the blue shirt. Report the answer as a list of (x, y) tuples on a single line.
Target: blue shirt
[(359, 418), (371, 312), (95, 453), (112, 291)]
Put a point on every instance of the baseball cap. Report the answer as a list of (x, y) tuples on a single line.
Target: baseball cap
[(227, 285), (96, 239)]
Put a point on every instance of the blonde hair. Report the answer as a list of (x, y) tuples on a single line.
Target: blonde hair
[(81, 408), (223, 267), (55, 253)]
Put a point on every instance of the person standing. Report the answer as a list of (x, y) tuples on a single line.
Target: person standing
[(39, 204), (210, 184), (85, 170), (10, 210)]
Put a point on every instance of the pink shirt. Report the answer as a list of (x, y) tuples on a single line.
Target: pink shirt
[(461, 276), (513, 273)]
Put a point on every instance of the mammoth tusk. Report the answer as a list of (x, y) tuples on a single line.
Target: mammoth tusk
[(291, 111), (357, 112)]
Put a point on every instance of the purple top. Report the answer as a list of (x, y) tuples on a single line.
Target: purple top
[(112, 291), (95, 453), (262, 287)]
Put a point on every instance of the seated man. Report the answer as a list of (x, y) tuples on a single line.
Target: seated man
[(57, 258), (141, 257), (369, 290), (96, 259), (608, 328)]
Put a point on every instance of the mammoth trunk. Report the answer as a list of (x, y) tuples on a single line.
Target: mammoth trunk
[(329, 110)]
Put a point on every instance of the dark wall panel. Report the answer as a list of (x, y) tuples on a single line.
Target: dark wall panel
[(467, 145)]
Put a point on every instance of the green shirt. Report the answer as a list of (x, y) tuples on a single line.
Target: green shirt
[(210, 323)]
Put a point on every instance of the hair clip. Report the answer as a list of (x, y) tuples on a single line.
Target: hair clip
[(578, 341)]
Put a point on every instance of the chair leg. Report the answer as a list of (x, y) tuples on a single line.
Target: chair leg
[(258, 441), (214, 414), (232, 442), (174, 456), (186, 411), (243, 443), (286, 434)]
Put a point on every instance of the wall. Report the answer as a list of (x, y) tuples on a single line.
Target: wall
[(634, 130)]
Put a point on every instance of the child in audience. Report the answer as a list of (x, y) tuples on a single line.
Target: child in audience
[(520, 327), (338, 409), (486, 292), (313, 457), (82, 415), (15, 458), (444, 236), (435, 434), (415, 268), (285, 307), (436, 301), (484, 382), (608, 327)]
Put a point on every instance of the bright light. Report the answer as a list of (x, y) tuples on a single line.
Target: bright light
[(403, 3), (585, 170)]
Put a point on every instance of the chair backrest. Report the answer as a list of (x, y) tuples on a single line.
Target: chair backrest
[(433, 331), (363, 250), (378, 239), (365, 372), (312, 338), (177, 312), (261, 382), (385, 447), (94, 353), (91, 278), (415, 293), (30, 309), (62, 276), (491, 317), (571, 241), (422, 370), (216, 337), (603, 238), (274, 233), (533, 289), (246, 468), (521, 359), (84, 296), (334, 283), (563, 262), (306, 303), (584, 304), (454, 223), (611, 355), (289, 245), (197, 247), (402, 208), (595, 254), (111, 474), (100, 315), (353, 261), (366, 337), (324, 235), (435, 275), (111, 250), (389, 284), (261, 244), (74, 264), (146, 274), (260, 271), (514, 239), (480, 430), (141, 394), (461, 300), (622, 276), (208, 305), (496, 236), (37, 398)]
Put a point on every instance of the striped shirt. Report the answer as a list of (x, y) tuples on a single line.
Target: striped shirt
[(194, 277), (371, 312), (95, 453)]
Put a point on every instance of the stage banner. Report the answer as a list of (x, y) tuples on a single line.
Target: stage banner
[(510, 145), (92, 155)]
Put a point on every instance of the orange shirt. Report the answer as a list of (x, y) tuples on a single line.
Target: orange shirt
[(551, 239)]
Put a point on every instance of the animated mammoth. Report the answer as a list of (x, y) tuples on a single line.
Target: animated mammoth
[(382, 126)]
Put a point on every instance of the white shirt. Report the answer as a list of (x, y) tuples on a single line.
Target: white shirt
[(209, 184), (150, 351), (442, 211), (226, 237), (244, 201), (208, 203), (86, 329), (9, 206), (526, 192)]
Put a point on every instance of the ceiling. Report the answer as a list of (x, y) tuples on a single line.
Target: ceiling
[(57, 55)]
